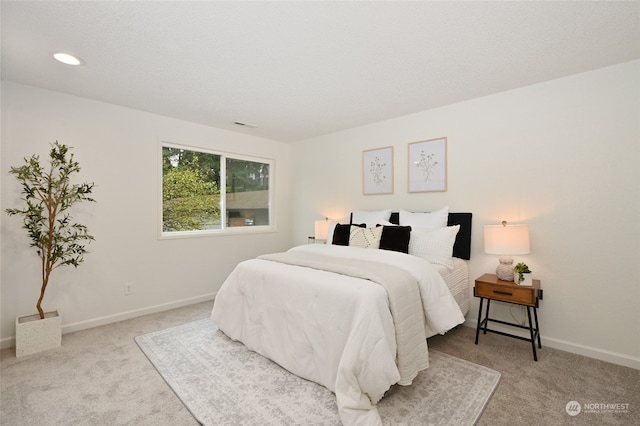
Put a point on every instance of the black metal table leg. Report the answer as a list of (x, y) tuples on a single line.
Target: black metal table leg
[(535, 315), (486, 317), (479, 320), (533, 339)]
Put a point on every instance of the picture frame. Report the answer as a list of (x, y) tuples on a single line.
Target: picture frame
[(377, 171), (428, 165)]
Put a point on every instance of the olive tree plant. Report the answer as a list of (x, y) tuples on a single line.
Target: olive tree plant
[(48, 194)]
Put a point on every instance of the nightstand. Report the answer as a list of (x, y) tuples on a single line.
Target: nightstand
[(489, 287)]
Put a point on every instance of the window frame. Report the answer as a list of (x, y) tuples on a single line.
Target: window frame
[(224, 229)]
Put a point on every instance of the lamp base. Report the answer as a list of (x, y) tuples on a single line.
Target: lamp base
[(504, 271)]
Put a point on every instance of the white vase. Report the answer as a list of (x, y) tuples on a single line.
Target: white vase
[(527, 279), (505, 269), (35, 335)]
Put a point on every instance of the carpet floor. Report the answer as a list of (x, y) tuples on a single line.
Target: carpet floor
[(101, 377), (222, 382)]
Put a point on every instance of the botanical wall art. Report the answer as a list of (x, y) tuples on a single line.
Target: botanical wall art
[(377, 171), (428, 165)]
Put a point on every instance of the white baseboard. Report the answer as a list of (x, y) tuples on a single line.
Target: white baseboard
[(591, 352), (10, 342), (575, 348)]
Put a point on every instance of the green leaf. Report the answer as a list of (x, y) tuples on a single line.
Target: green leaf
[(46, 194)]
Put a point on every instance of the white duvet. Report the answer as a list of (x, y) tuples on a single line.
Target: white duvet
[(329, 328)]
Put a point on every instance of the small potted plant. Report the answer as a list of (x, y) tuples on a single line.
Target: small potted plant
[(48, 194), (522, 274)]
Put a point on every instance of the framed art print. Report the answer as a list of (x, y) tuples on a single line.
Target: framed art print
[(377, 171), (428, 165)]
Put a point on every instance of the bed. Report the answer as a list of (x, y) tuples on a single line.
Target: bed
[(457, 276), (352, 319)]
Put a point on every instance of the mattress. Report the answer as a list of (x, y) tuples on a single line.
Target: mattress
[(457, 281)]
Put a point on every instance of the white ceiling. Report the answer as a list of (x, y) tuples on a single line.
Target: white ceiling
[(302, 69)]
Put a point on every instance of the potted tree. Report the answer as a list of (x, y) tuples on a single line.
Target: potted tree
[(48, 194)]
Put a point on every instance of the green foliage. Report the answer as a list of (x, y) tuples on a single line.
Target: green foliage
[(48, 194), (191, 186), (243, 176), (521, 268), (208, 164), (191, 201)]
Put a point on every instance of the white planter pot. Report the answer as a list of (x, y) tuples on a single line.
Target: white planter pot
[(35, 335), (527, 280)]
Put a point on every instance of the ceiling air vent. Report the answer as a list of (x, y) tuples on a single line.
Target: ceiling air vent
[(240, 123)]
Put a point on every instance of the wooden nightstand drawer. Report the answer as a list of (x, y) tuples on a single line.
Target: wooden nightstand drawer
[(512, 294), (490, 287)]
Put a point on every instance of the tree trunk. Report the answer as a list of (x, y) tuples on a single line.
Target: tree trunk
[(46, 271), (40, 311)]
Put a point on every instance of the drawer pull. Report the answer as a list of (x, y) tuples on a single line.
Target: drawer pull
[(503, 292)]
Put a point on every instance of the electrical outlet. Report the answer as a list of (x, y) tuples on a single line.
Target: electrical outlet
[(128, 289)]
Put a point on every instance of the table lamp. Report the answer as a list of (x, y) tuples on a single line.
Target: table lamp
[(321, 229), (506, 240)]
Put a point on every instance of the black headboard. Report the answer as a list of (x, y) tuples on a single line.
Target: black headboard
[(462, 246)]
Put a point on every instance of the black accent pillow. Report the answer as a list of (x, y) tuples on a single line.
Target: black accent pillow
[(341, 233), (395, 238)]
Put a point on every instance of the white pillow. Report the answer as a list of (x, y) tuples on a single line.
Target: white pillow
[(365, 237), (435, 246), (371, 219), (432, 220)]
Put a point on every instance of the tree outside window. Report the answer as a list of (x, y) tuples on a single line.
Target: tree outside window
[(194, 184)]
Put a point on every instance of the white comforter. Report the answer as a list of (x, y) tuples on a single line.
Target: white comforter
[(329, 328)]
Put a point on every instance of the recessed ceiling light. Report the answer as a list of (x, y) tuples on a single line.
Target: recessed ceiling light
[(68, 59)]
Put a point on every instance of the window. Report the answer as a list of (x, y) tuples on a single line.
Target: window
[(206, 192)]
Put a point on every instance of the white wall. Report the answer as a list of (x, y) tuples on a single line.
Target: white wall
[(561, 156), (117, 148)]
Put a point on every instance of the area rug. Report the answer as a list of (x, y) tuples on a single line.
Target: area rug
[(221, 382)]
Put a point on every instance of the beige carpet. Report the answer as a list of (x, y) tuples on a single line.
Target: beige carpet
[(222, 383), (536, 393), (100, 377)]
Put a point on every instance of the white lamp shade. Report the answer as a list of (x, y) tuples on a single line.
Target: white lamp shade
[(321, 229), (508, 240)]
